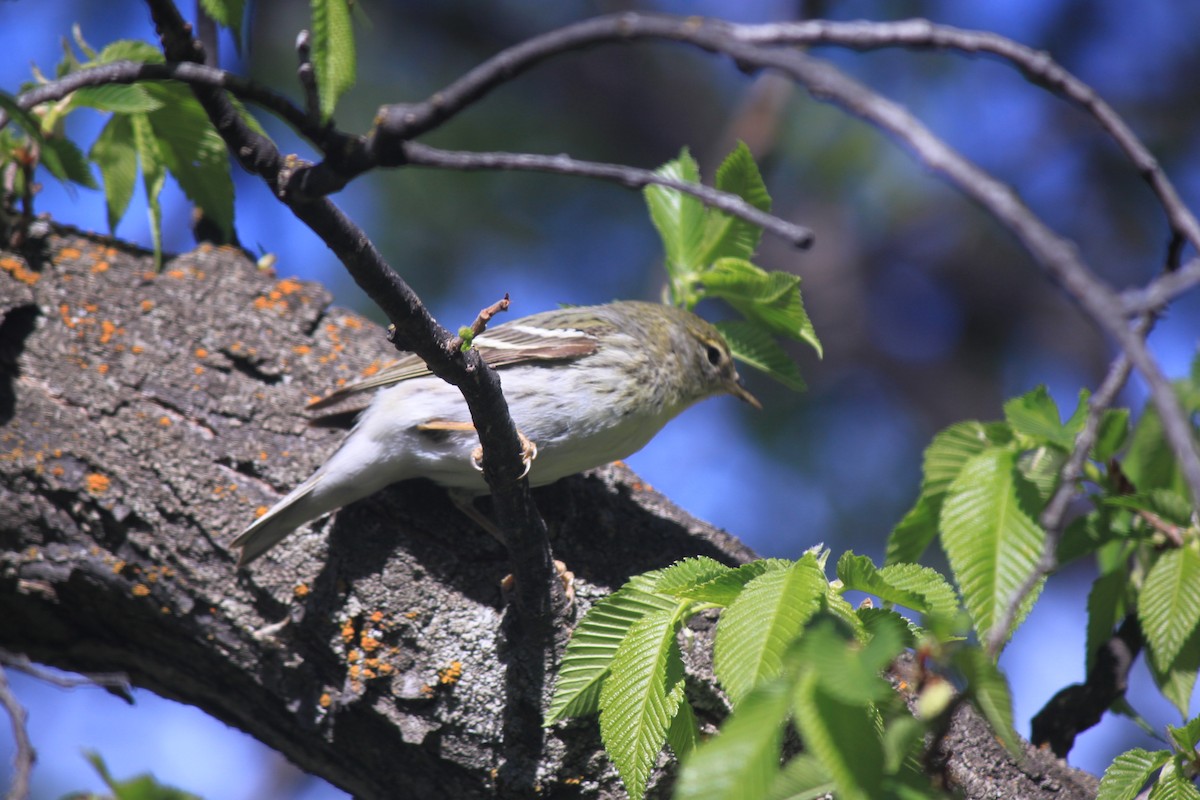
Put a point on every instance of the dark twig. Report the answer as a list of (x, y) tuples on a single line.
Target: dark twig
[(25, 755), (115, 682), (1081, 705), (485, 315), (423, 155)]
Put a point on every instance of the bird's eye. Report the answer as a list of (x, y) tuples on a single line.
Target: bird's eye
[(714, 355)]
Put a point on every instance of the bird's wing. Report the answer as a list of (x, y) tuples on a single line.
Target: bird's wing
[(506, 345)]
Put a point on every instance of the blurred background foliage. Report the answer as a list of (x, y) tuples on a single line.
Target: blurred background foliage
[(928, 310)]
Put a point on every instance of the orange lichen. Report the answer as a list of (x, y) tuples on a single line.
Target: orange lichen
[(96, 483), (301, 349), (353, 657), (348, 632), (99, 266), (136, 349), (140, 590), (353, 323), (165, 421), (118, 567), (325, 700), (289, 286), (300, 591), (69, 254), (147, 305), (370, 369), (448, 676), (198, 370), (369, 643), (15, 268), (260, 511), (376, 617), (201, 352), (102, 369), (107, 329), (64, 311), (262, 455), (176, 273), (57, 472)]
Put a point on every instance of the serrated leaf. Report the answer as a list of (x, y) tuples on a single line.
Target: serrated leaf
[(953, 447), (1149, 462), (920, 588), (1175, 782), (640, 697), (194, 152), (689, 573), (756, 630), (140, 787), (990, 536), (743, 759), (1129, 772), (1112, 434), (594, 644), (1105, 608), (843, 736), (65, 161), (802, 778), (116, 98), (115, 153), (679, 219), (333, 55), (27, 122), (987, 689), (914, 532), (1035, 414), (1169, 603), (1185, 736), (847, 668), (683, 734), (228, 13), (1177, 680), (875, 620), (753, 346), (130, 50), (770, 299), (726, 235), (724, 588), (154, 175)]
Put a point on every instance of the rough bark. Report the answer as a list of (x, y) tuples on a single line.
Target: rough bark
[(143, 419)]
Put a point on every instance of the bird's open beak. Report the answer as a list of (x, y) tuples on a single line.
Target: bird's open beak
[(738, 390)]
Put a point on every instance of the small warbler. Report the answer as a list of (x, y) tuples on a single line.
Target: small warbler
[(585, 386)]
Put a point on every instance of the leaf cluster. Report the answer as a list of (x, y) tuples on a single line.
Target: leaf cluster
[(797, 662), (708, 254)]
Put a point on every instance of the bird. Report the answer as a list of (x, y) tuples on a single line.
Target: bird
[(585, 386)]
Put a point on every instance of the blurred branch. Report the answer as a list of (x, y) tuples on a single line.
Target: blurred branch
[(25, 756)]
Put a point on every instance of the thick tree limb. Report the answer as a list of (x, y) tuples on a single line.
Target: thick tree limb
[(144, 417)]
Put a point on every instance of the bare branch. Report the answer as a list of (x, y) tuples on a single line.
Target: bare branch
[(632, 177), (115, 682), (485, 315), (25, 755)]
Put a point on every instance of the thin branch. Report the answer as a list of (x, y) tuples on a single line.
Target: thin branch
[(116, 682), (25, 755), (1053, 516), (1162, 290), (423, 155), (307, 75), (485, 316)]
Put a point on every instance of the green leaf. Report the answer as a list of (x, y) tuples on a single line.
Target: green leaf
[(743, 759), (724, 588), (1187, 736), (66, 161), (641, 696), (679, 219), (228, 13), (755, 631), (912, 534), (770, 299), (116, 154), (116, 98), (1129, 772), (726, 235), (1036, 415), (802, 778), (990, 535), (1112, 434), (951, 449), (1177, 680), (876, 620), (28, 122), (1169, 603), (154, 175), (684, 732), (333, 55), (987, 689), (847, 668), (686, 575), (1105, 608), (1149, 462), (843, 736), (752, 345), (1175, 782), (130, 50), (141, 787), (594, 644), (194, 152), (920, 588)]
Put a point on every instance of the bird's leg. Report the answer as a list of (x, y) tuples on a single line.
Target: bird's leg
[(529, 448)]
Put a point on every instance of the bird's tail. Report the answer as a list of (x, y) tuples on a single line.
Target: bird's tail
[(298, 507)]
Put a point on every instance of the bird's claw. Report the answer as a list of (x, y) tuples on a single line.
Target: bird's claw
[(529, 452)]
